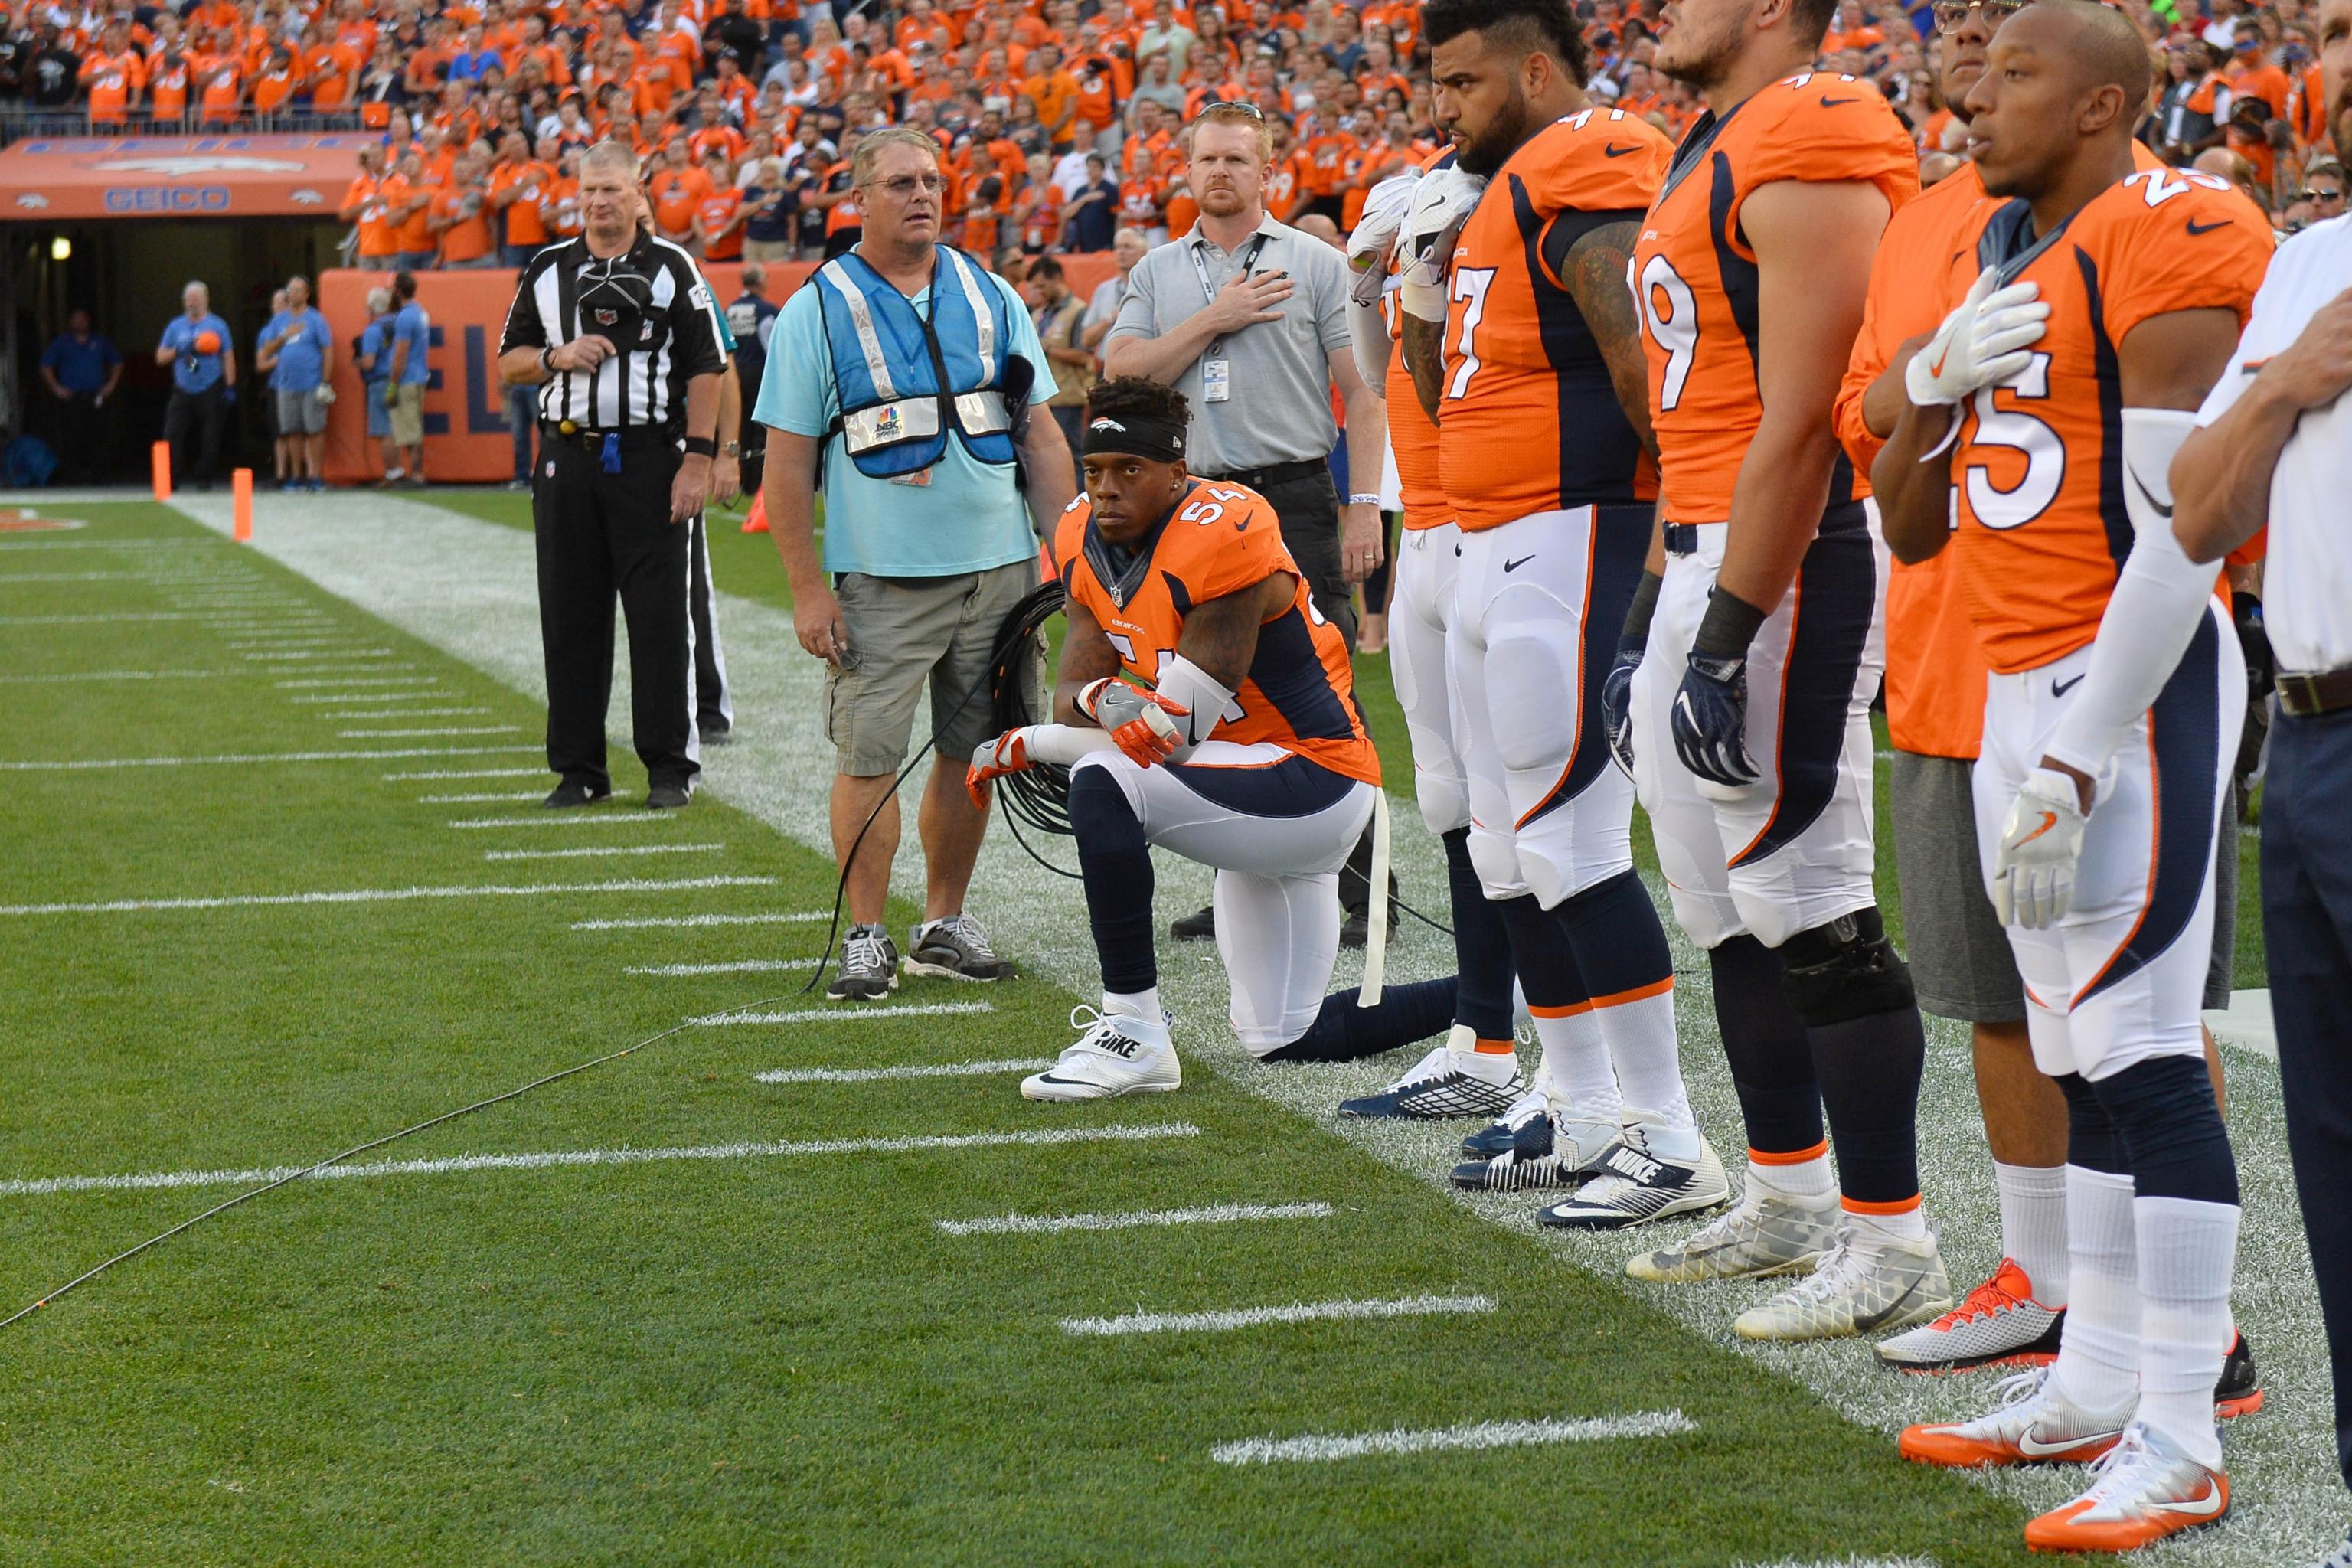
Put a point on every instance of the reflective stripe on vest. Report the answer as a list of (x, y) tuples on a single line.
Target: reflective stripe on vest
[(887, 363)]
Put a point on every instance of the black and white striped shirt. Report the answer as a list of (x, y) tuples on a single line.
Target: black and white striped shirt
[(670, 341)]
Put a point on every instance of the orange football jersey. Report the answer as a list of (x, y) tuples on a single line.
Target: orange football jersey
[(1413, 435), (1695, 276), (1300, 693), (1528, 420), (2039, 469)]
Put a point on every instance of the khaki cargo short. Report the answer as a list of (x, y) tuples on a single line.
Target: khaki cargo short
[(902, 631), (408, 416)]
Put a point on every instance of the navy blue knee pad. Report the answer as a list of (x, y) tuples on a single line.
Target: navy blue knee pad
[(1845, 969), (2163, 1110), (2092, 1141), (1114, 863)]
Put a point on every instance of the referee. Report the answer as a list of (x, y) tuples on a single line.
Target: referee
[(615, 329)]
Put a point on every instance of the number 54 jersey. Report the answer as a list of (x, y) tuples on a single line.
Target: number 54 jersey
[(1300, 692), (2039, 475), (1696, 277)]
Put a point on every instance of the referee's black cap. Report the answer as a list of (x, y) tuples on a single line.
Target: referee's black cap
[(614, 300)]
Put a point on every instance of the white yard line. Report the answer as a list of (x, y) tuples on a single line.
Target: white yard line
[(732, 966), (383, 895), (303, 657), (119, 675), (95, 620), (472, 772), (245, 757), (562, 819), (428, 730), (308, 682), (348, 716), (82, 577), (1842, 1563), (424, 694), (851, 1013), (1054, 1224), (477, 799), (882, 1075), (163, 542), (600, 851), (1295, 1312), (45, 1187), (1470, 1435), (651, 923)]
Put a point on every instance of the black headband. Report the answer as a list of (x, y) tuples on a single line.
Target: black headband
[(1152, 435)]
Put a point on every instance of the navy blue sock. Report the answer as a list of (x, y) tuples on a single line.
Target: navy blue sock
[(1543, 955), (1114, 863), (2163, 1110), (1619, 941), (1771, 1059), (1482, 947), (1342, 1031), (1868, 1069), (2091, 1139)]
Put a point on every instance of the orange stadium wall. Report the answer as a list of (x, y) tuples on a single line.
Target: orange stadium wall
[(466, 435)]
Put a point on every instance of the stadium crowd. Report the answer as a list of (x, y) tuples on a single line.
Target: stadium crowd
[(1059, 118)]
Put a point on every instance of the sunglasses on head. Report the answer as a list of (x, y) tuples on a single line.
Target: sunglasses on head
[(2323, 195), (1950, 13), (1240, 106)]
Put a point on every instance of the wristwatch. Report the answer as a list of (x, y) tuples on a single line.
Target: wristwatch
[(730, 450), (1360, 498)]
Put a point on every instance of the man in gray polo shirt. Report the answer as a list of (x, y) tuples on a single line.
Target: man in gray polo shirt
[(1248, 319)]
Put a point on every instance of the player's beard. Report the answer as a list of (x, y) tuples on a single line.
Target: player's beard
[(1700, 62), (1484, 153)]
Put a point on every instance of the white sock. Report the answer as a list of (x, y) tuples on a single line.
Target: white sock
[(1876, 1233), (1800, 1179), (2099, 1352), (1142, 1004), (2187, 1252), (1648, 1062), (1576, 1063), (2033, 1225)]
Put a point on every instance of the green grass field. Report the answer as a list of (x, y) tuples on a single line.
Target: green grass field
[(666, 1311)]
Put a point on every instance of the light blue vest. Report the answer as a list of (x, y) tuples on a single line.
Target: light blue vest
[(889, 365)]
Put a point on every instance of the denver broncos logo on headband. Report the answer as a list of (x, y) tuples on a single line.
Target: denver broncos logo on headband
[(1107, 424)]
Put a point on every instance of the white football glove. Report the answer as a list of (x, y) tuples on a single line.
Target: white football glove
[(1442, 204), (1376, 233), (1985, 341), (2034, 871)]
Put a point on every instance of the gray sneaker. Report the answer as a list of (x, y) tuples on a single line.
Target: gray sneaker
[(953, 947), (1853, 1292), (1763, 1234), (869, 969)]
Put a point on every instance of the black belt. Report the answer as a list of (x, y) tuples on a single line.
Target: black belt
[(2309, 696), (1682, 538), (1273, 474), (632, 436), (1845, 517)]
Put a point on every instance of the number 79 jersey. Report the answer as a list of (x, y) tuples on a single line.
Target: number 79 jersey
[(2037, 473), (1695, 276), (1300, 692)]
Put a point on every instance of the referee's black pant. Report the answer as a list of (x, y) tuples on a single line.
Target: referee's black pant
[(194, 423), (600, 534)]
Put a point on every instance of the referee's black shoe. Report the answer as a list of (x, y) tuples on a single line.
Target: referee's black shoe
[(1199, 926), (571, 793), (666, 797)]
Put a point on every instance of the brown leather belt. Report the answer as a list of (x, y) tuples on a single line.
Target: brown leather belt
[(2308, 695)]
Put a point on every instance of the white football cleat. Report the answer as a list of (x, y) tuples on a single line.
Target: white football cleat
[(2036, 1424), (1763, 1234), (1891, 1285), (1116, 1055), (1446, 1082), (1651, 1172), (2141, 1492)]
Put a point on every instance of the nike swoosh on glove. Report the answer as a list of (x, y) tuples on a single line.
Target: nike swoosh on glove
[(1376, 234), (1442, 202), (1142, 724), (1710, 721), (1617, 707), (2041, 846), (1008, 753), (1986, 340)]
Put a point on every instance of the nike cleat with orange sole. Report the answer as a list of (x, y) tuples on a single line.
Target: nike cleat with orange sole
[(1998, 1324), (2239, 1390), (2036, 1424), (2141, 1492)]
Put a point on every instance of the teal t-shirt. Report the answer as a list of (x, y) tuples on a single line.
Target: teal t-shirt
[(968, 518)]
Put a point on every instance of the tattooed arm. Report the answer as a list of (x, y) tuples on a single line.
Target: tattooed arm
[(1592, 261), (1424, 359), (1220, 634)]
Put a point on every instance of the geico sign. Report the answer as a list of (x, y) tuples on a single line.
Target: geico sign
[(160, 199)]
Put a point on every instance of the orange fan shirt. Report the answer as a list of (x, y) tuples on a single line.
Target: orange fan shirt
[(167, 88), (1528, 420), (112, 80), (329, 69), (1695, 277), (677, 193), (527, 180), (718, 212), (224, 79), (1300, 692), (416, 233), (467, 237), (1326, 163), (2042, 529), (559, 208), (271, 89), (1286, 187)]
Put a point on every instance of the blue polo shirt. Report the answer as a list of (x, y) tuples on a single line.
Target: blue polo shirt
[(302, 358), (376, 347), (192, 371), (414, 325), (968, 518), (80, 366)]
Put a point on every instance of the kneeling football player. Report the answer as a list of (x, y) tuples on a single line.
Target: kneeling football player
[(1205, 707)]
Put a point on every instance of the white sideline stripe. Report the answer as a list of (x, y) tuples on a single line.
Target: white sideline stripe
[(566, 819), (845, 1015), (243, 637), (753, 966), (437, 729), (878, 1075), (644, 922), (1842, 1563), (421, 695), (472, 772), (345, 718), (44, 1186), (369, 680), (95, 619), (271, 757), (84, 577), (119, 675), (160, 542), (475, 799), (299, 656), (1297, 1312), (600, 850), (1469, 1435), (1051, 1224), (384, 896)]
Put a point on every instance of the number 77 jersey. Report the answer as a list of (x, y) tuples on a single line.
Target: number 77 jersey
[(1695, 278), (2039, 471)]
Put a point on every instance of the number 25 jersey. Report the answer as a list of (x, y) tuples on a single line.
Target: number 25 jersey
[(1695, 276), (2039, 471)]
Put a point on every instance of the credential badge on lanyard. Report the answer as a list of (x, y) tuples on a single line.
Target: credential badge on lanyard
[(1217, 370)]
